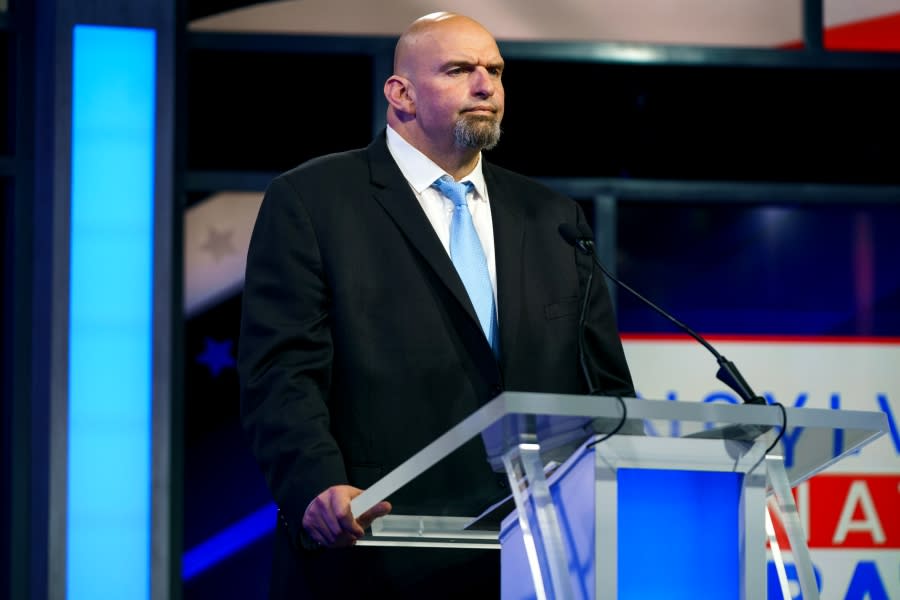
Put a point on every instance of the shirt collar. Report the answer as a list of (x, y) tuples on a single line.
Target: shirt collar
[(420, 171)]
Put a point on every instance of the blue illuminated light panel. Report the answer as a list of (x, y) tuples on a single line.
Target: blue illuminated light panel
[(697, 521), (110, 313)]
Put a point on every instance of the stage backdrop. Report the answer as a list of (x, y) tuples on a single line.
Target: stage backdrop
[(850, 511), (804, 298)]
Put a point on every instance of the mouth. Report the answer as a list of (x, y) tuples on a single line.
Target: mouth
[(482, 110)]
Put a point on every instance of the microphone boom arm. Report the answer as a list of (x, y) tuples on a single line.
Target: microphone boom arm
[(728, 372)]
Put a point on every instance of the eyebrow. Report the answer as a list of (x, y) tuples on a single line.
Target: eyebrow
[(468, 63)]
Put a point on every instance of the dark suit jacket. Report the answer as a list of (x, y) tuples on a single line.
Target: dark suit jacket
[(359, 345)]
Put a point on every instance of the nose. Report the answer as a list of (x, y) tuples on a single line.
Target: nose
[(484, 84)]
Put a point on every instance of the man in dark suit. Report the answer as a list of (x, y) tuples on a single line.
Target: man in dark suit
[(360, 339)]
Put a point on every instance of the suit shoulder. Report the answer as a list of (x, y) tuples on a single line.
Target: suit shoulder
[(333, 168)]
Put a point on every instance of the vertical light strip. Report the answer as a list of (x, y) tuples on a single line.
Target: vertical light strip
[(110, 313)]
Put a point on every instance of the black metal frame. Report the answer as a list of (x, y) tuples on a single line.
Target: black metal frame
[(604, 52)]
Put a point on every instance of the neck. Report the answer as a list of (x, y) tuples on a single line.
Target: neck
[(456, 161), (454, 164)]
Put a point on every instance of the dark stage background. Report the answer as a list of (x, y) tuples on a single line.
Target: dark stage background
[(757, 266), (754, 191)]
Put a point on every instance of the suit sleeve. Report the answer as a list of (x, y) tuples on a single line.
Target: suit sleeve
[(284, 357), (603, 345)]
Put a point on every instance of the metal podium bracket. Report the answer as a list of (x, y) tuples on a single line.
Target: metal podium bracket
[(790, 518), (539, 522)]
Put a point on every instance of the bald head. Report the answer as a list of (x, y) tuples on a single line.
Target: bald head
[(424, 31)]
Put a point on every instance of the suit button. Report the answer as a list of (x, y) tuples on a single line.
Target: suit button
[(502, 481), (496, 389)]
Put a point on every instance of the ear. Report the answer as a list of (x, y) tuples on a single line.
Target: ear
[(400, 94)]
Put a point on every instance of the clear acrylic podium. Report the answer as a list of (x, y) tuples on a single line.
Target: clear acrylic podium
[(678, 513)]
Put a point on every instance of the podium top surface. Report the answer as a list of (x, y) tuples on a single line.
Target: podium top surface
[(559, 423)]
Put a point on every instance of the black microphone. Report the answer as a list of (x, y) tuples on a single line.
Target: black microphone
[(582, 355), (728, 373)]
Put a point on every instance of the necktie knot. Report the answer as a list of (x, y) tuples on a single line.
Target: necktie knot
[(455, 191)]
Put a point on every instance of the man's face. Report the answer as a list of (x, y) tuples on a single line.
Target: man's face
[(458, 91)]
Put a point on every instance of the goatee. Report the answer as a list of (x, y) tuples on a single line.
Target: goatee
[(481, 133)]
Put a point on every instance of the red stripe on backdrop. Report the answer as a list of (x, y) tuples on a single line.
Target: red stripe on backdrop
[(761, 339), (879, 34), (856, 511)]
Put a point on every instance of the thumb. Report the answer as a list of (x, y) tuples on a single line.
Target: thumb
[(379, 510)]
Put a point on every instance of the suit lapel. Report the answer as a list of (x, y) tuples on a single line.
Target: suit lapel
[(509, 252), (392, 191)]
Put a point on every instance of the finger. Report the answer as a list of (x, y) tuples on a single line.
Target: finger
[(319, 519), (344, 515), (318, 534), (379, 510), (330, 520), (321, 533)]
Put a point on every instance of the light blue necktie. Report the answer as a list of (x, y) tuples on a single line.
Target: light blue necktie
[(468, 257)]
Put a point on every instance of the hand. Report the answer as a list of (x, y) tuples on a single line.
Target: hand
[(329, 521)]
